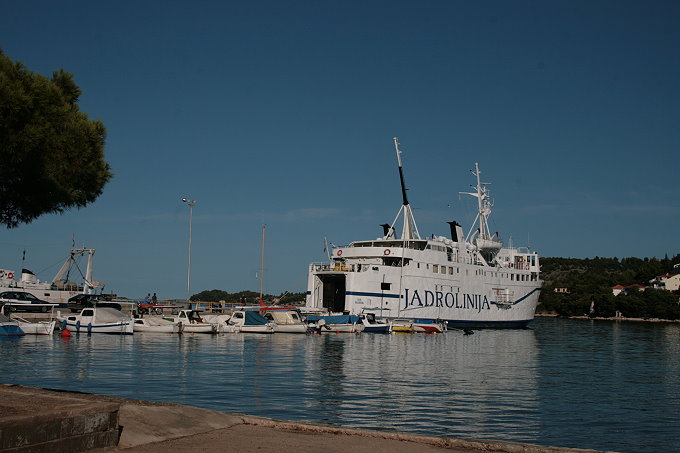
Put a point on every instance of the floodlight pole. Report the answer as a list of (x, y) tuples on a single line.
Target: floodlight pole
[(191, 204)]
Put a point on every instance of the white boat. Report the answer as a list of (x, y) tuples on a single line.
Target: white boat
[(152, 324), (401, 325), (471, 281), (372, 325), (35, 328), (97, 320), (250, 321), (286, 321), (335, 324), (428, 326), (59, 290), (190, 321)]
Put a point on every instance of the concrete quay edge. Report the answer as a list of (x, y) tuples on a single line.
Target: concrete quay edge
[(159, 426)]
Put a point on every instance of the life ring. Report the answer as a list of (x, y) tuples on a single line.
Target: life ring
[(386, 252), (339, 253), (10, 275)]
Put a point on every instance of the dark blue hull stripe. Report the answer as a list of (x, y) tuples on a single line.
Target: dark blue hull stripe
[(488, 324), (365, 294)]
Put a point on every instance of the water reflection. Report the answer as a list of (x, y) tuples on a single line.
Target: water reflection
[(565, 383)]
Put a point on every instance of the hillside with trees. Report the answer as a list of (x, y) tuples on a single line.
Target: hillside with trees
[(586, 280), (248, 297)]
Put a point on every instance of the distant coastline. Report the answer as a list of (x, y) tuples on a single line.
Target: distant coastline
[(602, 318)]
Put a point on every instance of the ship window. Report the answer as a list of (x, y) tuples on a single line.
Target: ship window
[(385, 286), (87, 313), (435, 268), (443, 270)]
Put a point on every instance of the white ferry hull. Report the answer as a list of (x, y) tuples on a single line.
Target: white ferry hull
[(471, 302)]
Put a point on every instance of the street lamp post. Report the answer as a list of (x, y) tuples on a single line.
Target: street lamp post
[(191, 204)]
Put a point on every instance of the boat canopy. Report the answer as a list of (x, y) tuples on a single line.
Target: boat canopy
[(335, 319), (253, 318)]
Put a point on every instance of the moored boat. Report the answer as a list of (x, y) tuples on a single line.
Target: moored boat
[(464, 280), (60, 289), (152, 324), (336, 324), (372, 325), (249, 321), (97, 320), (9, 328), (36, 328), (428, 326), (402, 325), (190, 321), (286, 321)]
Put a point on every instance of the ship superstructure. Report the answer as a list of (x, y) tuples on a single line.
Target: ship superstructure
[(466, 280)]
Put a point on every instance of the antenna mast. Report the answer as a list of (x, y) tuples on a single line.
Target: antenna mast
[(410, 230)]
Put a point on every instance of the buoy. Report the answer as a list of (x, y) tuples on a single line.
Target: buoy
[(65, 333)]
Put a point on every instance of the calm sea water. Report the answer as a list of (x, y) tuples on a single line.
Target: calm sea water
[(570, 383)]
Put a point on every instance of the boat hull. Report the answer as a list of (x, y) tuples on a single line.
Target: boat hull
[(10, 329), (459, 301), (117, 328), (38, 328)]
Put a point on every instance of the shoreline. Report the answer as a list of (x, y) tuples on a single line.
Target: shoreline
[(612, 318)]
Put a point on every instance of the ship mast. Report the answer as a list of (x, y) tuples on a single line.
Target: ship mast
[(410, 230), (483, 207)]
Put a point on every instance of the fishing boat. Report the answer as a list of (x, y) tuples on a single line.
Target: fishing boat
[(9, 328), (336, 324), (152, 324), (190, 321), (97, 320), (372, 325), (468, 280), (60, 289)]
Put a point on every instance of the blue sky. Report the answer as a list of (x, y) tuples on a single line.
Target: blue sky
[(283, 113)]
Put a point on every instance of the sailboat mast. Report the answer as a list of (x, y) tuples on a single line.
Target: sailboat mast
[(262, 264)]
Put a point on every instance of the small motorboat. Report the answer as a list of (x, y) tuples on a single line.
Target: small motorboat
[(190, 321), (372, 325), (336, 324), (402, 325), (36, 328), (97, 320), (152, 324), (428, 326), (250, 321), (9, 328), (286, 321)]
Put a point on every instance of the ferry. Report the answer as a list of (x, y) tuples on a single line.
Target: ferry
[(466, 280)]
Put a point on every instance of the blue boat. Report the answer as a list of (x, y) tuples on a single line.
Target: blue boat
[(9, 328)]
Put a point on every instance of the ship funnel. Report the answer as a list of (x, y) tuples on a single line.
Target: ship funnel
[(386, 229), (456, 231)]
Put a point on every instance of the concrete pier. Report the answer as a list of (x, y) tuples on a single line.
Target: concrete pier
[(36, 420)]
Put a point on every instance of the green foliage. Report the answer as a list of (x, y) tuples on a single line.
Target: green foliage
[(247, 297), (52, 154), (592, 279)]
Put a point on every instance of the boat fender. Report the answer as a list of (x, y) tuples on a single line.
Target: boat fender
[(10, 275), (63, 325), (89, 328), (339, 253), (386, 252), (77, 326)]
